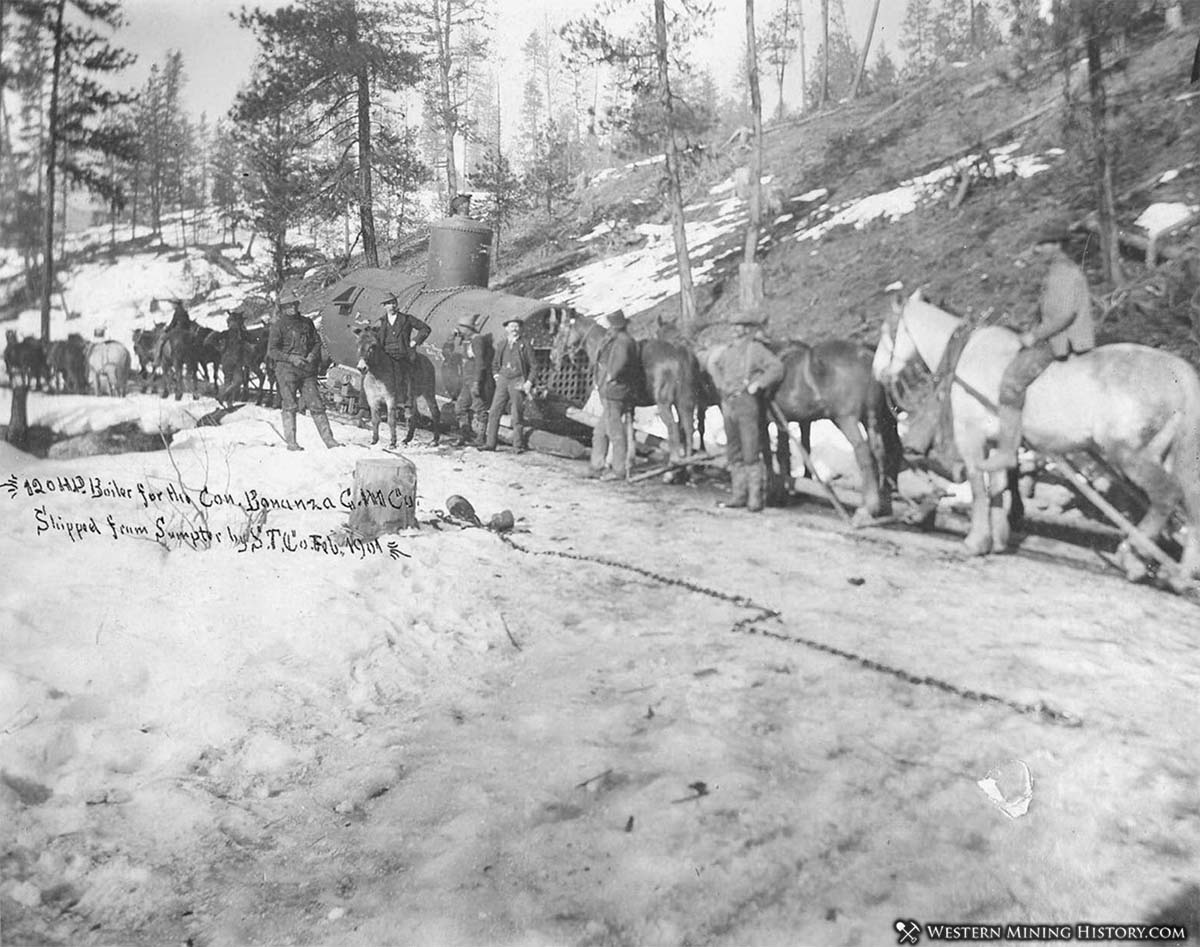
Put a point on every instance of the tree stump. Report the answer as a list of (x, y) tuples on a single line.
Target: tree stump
[(750, 286), (385, 496), (18, 422)]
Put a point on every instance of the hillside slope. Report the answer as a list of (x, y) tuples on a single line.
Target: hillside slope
[(966, 255)]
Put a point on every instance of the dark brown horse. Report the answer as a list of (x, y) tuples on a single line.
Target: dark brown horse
[(671, 373), (379, 387), (24, 359), (833, 380)]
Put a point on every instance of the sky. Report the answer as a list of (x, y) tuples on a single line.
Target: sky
[(218, 55)]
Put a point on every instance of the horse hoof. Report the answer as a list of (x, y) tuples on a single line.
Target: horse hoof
[(977, 547), (375, 440), (1127, 559), (861, 518)]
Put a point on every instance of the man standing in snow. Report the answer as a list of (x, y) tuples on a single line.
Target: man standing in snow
[(514, 369), (618, 370), (400, 333), (294, 346), (744, 371), (1065, 326), (478, 388)]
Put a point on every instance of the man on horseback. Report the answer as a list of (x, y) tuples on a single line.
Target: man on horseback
[(294, 345), (181, 324), (478, 389), (743, 371), (514, 369), (1065, 326), (618, 371)]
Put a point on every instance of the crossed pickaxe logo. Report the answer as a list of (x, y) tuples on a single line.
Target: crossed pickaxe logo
[(909, 931)]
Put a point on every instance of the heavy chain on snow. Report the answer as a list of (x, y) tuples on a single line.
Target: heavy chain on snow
[(751, 625)]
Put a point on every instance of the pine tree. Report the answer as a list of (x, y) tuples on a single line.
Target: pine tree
[(494, 175), (80, 101), (650, 61), (778, 43), (452, 33), (228, 193), (918, 38), (336, 55)]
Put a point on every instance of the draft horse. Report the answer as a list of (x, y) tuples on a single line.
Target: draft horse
[(671, 373), (833, 380), (1138, 407), (380, 387)]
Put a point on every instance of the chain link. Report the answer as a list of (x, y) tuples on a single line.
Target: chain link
[(749, 626)]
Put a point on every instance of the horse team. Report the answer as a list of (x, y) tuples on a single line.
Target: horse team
[(72, 365)]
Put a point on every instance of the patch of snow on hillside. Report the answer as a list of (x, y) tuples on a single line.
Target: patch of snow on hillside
[(907, 196), (1160, 217)]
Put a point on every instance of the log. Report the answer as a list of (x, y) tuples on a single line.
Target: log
[(385, 496)]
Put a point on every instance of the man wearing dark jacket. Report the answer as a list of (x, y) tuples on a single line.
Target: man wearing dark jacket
[(181, 324), (477, 385), (744, 372), (515, 370), (294, 346), (618, 377), (400, 333)]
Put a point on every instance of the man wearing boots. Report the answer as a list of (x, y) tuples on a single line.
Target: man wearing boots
[(294, 347), (1065, 326), (401, 333), (514, 371), (618, 368), (478, 388), (744, 371)]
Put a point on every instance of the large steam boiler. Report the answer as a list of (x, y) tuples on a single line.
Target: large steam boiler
[(455, 285)]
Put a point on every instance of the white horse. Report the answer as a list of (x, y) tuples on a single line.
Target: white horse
[(1137, 406), (108, 360)]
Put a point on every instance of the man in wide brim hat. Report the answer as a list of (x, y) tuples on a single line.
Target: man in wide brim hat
[(744, 372), (478, 389), (514, 369), (1062, 326), (618, 378)]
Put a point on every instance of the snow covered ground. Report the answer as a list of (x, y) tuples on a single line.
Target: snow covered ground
[(224, 722)]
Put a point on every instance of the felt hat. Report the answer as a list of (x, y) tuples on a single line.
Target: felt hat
[(618, 320), (1057, 230), (470, 322), (511, 319)]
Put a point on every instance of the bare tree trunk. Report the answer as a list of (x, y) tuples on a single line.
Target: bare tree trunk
[(687, 293), (51, 159), (366, 213), (1109, 247), (447, 103), (803, 58), (862, 63), (750, 273), (825, 54)]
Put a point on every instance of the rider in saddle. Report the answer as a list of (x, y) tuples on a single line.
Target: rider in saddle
[(743, 372), (399, 334), (1065, 326), (181, 324), (294, 346), (618, 367), (478, 388)]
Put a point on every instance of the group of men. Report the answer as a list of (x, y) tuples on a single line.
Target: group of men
[(499, 378)]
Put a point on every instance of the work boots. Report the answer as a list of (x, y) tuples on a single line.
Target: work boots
[(740, 485), (321, 420), (756, 482), (289, 430), (1004, 454)]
